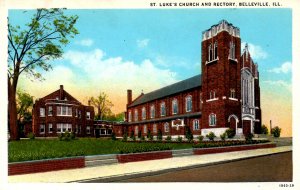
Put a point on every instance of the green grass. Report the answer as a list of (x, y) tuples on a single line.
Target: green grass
[(37, 149)]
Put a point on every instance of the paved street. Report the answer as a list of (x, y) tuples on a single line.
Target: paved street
[(270, 168)]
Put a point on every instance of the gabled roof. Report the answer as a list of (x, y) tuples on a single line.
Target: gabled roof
[(181, 86)]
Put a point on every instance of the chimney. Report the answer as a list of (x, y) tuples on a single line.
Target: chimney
[(129, 97), (89, 103), (61, 92)]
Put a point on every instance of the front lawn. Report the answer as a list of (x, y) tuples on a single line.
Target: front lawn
[(37, 149)]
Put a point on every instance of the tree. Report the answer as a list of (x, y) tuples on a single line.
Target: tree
[(24, 106), (276, 131), (102, 104), (30, 49), (264, 129)]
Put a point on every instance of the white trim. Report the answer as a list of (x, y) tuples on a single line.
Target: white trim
[(208, 62), (224, 97), (216, 131), (234, 99), (214, 99), (61, 104)]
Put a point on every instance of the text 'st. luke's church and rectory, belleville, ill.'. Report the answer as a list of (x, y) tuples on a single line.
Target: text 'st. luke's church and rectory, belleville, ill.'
[(225, 95)]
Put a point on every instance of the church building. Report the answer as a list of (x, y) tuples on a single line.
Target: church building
[(225, 95)]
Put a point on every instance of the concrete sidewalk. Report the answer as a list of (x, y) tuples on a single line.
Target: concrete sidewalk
[(116, 172)]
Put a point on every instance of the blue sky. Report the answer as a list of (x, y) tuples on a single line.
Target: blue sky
[(144, 49)]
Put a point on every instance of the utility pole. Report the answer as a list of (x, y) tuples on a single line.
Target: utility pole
[(270, 127)]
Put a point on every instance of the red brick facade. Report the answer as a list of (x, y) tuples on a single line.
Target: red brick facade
[(219, 100), (59, 112)]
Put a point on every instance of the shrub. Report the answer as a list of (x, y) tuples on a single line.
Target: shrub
[(151, 137), (230, 133), (159, 135), (66, 136), (72, 136), (179, 139), (223, 136), (249, 137), (143, 147), (189, 135), (124, 137), (113, 136), (276, 131), (211, 136), (131, 134), (133, 138), (142, 138), (169, 139), (200, 138), (264, 130), (139, 134), (31, 136)]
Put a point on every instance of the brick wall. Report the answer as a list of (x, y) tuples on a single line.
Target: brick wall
[(45, 165)]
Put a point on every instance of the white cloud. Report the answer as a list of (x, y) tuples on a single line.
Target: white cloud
[(142, 43), (85, 42), (280, 83), (286, 67), (256, 51)]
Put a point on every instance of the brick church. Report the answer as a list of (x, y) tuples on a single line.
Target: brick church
[(226, 94)]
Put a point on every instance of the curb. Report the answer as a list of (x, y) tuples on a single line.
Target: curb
[(118, 178)]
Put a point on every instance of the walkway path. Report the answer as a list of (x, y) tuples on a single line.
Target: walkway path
[(123, 171)]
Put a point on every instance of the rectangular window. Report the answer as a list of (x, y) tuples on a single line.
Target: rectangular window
[(136, 130), (50, 111), (144, 113), (42, 128), (76, 112), (88, 130), (163, 109), (50, 128), (79, 114), (145, 129), (63, 127), (42, 112), (76, 129), (64, 111), (88, 115), (196, 124)]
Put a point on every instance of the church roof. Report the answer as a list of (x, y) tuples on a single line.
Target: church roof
[(181, 86)]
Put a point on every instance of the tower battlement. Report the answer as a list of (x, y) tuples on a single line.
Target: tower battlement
[(223, 25)]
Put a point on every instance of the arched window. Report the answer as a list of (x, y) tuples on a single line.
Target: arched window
[(154, 128), (143, 113), (136, 115), (136, 130), (129, 116), (215, 50), (232, 93), (196, 125), (212, 94), (145, 129), (163, 109), (152, 111), (188, 103), (166, 127), (232, 51), (212, 119), (210, 53), (175, 106)]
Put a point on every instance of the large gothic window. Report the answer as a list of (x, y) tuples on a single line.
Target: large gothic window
[(175, 106), (143, 113), (163, 109), (188, 103), (136, 115), (152, 111), (129, 116)]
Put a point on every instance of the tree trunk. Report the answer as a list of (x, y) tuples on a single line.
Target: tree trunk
[(12, 112), (12, 106)]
